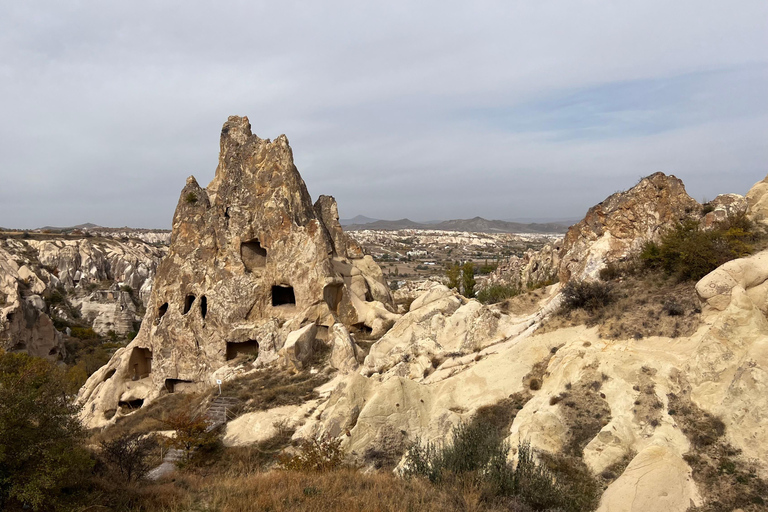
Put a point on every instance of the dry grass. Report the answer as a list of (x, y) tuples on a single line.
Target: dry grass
[(647, 407), (151, 417), (644, 305), (525, 303), (282, 491), (268, 388)]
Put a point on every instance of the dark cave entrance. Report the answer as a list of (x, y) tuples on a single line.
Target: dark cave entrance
[(234, 349), (283, 295), (188, 301)]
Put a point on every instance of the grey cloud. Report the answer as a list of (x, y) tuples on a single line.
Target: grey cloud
[(107, 108)]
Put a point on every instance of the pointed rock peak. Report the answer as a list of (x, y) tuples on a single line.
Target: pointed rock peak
[(237, 129), (192, 181)]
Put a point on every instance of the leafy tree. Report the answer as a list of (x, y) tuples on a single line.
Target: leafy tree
[(468, 279), (41, 438)]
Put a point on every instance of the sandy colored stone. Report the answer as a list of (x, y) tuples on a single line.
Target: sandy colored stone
[(250, 261), (656, 479)]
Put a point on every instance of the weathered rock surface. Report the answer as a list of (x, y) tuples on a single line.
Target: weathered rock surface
[(724, 206), (92, 275), (24, 327), (622, 223), (611, 231), (251, 260)]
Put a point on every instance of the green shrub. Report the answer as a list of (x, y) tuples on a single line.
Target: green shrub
[(84, 333), (41, 439), (689, 252), (190, 198), (497, 293), (587, 295), (478, 453)]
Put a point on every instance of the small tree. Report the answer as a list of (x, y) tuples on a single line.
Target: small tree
[(468, 279), (129, 455), (192, 433), (453, 273), (41, 438)]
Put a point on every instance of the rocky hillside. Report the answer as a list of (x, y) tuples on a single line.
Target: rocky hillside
[(262, 289), (50, 282)]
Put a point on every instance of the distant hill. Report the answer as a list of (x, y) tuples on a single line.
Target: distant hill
[(477, 224), (360, 219), (87, 225)]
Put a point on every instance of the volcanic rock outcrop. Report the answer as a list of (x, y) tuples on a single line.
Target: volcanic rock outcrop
[(611, 231), (103, 281), (251, 261)]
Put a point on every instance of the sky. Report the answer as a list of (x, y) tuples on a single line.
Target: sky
[(426, 110)]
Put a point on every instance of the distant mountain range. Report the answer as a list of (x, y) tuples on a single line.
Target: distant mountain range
[(477, 224)]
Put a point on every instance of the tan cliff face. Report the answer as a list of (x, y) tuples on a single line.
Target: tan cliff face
[(251, 260)]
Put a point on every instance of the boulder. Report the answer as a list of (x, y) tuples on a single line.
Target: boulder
[(299, 347)]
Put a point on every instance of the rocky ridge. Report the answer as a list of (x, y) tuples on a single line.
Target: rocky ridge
[(106, 282), (616, 229)]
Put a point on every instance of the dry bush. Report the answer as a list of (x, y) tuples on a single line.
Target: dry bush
[(646, 304), (315, 454)]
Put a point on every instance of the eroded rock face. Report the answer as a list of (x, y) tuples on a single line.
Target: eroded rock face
[(251, 260), (611, 231), (622, 223), (24, 327), (93, 275)]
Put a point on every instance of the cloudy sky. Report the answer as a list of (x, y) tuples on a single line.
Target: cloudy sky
[(427, 110)]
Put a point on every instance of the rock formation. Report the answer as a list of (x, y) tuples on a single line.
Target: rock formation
[(611, 231), (251, 262), (91, 276)]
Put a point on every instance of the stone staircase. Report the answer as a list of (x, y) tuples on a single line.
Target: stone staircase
[(217, 414), (220, 411)]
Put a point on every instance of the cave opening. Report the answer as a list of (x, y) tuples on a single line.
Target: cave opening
[(253, 254), (188, 301), (109, 375), (131, 404), (203, 306), (162, 310), (140, 363), (234, 349), (283, 295), (178, 385)]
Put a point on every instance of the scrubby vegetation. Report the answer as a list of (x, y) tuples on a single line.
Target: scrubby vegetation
[(587, 295), (477, 456), (497, 293), (689, 252)]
